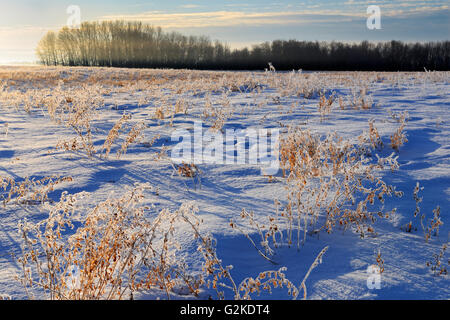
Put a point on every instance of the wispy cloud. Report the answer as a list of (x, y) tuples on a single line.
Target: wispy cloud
[(190, 6), (231, 18), (245, 18)]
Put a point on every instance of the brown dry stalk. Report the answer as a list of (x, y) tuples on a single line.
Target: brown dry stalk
[(399, 137), (135, 132), (438, 265), (114, 133)]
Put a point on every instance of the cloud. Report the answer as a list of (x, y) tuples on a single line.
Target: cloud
[(229, 18), (190, 6), (245, 18)]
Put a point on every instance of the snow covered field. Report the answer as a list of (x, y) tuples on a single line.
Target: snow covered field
[(111, 129)]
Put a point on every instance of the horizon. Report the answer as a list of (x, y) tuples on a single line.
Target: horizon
[(24, 22)]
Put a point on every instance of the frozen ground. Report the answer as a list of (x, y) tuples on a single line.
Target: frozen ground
[(28, 141)]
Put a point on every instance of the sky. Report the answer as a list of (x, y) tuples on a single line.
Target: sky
[(238, 23)]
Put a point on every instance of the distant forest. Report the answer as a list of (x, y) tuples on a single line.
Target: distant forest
[(138, 45)]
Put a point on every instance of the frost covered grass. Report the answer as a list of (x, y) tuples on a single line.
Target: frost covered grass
[(354, 151)]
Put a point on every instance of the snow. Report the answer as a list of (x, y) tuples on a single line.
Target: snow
[(28, 150)]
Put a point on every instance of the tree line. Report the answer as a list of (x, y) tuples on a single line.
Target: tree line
[(138, 45)]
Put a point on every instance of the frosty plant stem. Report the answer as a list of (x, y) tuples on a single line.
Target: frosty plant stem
[(118, 252), (329, 178)]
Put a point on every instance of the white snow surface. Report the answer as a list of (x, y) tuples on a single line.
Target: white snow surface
[(28, 150)]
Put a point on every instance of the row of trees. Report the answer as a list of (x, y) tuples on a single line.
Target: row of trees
[(134, 44)]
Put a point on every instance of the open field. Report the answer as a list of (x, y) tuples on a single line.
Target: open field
[(94, 205)]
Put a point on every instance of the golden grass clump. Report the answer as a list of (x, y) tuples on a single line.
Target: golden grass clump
[(325, 178), (399, 137), (188, 170), (134, 134), (325, 104), (114, 133), (119, 251), (116, 252), (29, 191), (438, 265)]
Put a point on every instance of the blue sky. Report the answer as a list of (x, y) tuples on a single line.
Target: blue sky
[(239, 23)]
